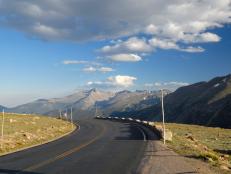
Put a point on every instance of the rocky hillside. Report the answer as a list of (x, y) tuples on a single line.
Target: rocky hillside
[(204, 103), (129, 102)]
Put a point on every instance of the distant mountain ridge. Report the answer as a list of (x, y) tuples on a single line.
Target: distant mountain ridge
[(125, 101), (2, 107), (86, 102), (82, 100), (204, 103)]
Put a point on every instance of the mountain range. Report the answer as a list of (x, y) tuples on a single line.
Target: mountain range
[(203, 103), (88, 103), (2, 107)]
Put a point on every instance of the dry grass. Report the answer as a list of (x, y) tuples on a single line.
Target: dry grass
[(212, 145), (21, 131)]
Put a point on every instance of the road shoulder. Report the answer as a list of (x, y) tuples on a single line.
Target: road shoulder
[(160, 159)]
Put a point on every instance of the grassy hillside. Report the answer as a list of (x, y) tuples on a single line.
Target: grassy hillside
[(212, 145), (21, 131)]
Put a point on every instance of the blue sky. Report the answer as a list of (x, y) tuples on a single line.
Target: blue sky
[(43, 54)]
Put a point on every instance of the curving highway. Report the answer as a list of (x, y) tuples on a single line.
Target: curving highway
[(97, 147)]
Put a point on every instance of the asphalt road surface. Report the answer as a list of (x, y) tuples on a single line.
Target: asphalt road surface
[(98, 147)]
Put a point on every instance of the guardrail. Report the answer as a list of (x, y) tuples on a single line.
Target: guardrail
[(151, 125)]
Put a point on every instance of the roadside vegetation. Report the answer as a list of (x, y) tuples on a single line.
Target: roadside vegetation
[(22, 131), (211, 145)]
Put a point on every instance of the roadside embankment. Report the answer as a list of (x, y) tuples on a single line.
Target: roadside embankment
[(210, 145), (25, 131)]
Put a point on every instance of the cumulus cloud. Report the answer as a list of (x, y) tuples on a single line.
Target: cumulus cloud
[(90, 66), (125, 58), (113, 82), (90, 69), (163, 43), (201, 38), (169, 44), (105, 69), (96, 20), (142, 46), (99, 69), (131, 45), (192, 49), (71, 62), (81, 62), (124, 81), (172, 86)]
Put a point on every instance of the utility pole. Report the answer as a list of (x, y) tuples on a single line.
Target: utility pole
[(2, 133), (95, 110), (60, 114), (65, 115), (162, 104), (71, 119)]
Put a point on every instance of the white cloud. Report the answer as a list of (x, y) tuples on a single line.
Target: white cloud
[(98, 20), (70, 62), (201, 38), (90, 69), (191, 49), (208, 37), (163, 43), (105, 69), (46, 31), (172, 86), (169, 44), (113, 82), (91, 66), (124, 81), (84, 62), (142, 46), (131, 45), (125, 58), (151, 29), (99, 69)]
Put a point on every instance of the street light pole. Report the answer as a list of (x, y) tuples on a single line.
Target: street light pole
[(162, 104)]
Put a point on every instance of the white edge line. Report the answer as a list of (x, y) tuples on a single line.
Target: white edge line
[(142, 131)]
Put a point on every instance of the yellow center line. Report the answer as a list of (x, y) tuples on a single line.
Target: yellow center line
[(65, 154)]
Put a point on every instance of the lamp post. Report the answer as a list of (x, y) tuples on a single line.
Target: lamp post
[(162, 104)]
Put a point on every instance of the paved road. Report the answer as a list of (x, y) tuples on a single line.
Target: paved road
[(98, 147)]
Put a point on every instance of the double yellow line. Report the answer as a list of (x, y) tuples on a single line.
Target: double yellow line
[(65, 154)]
